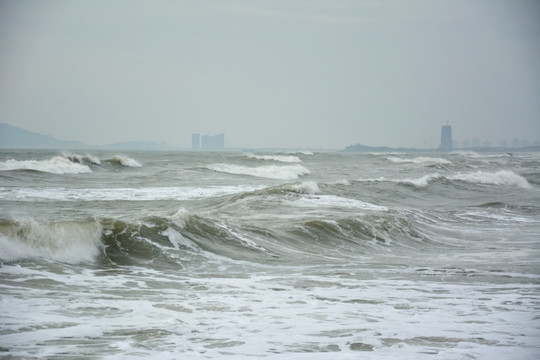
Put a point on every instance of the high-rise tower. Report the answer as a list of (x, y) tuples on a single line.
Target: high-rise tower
[(446, 137), (195, 141)]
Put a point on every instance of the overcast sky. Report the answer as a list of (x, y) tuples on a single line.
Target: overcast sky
[(321, 73)]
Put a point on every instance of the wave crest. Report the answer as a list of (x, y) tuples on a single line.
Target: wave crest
[(501, 177), (419, 160), (287, 172), (70, 242), (280, 158), (55, 165), (124, 161), (81, 159)]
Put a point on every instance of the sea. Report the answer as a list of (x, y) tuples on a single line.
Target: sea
[(269, 255)]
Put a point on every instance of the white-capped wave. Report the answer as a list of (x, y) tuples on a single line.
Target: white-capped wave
[(281, 158), (306, 187), (69, 242), (501, 177), (337, 202), (286, 172), (301, 152), (124, 161), (124, 194), (180, 217), (419, 160), (423, 181), (55, 165), (475, 155), (82, 158)]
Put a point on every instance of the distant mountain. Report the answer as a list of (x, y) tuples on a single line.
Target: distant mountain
[(13, 137)]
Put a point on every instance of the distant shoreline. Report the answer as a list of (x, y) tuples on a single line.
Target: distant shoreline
[(366, 148)]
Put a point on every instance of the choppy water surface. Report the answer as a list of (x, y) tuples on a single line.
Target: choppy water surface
[(269, 255)]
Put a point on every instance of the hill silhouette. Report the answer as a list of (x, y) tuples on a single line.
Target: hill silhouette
[(13, 137)]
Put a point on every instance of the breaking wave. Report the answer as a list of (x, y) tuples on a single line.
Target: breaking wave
[(81, 159), (55, 165), (66, 164), (121, 194), (183, 237), (124, 161), (70, 242), (501, 177), (280, 158), (287, 172), (419, 160)]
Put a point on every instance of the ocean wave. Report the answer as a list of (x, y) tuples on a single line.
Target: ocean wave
[(124, 161), (121, 194), (335, 202), (306, 187), (419, 160), (475, 155), (70, 242), (286, 172), (175, 240), (54, 165), (280, 158), (81, 159), (501, 177)]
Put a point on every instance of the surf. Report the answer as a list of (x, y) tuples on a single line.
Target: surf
[(284, 172)]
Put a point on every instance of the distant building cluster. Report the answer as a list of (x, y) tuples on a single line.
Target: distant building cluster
[(207, 142), (446, 137)]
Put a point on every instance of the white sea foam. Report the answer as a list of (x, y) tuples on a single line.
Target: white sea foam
[(125, 161), (280, 158), (501, 177), (62, 241), (55, 165), (116, 194), (336, 202), (178, 240), (475, 155), (287, 172), (419, 160), (180, 217), (306, 187), (423, 181)]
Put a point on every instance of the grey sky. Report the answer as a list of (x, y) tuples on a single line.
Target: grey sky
[(272, 73)]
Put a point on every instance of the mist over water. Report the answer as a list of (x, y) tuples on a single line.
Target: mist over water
[(301, 255)]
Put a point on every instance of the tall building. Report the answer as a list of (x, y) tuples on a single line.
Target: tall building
[(216, 142), (195, 141), (446, 137)]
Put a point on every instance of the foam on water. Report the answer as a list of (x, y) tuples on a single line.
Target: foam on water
[(501, 177), (116, 194), (124, 161), (336, 202), (419, 160), (62, 241), (286, 172), (314, 268), (305, 187), (55, 165), (280, 158)]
